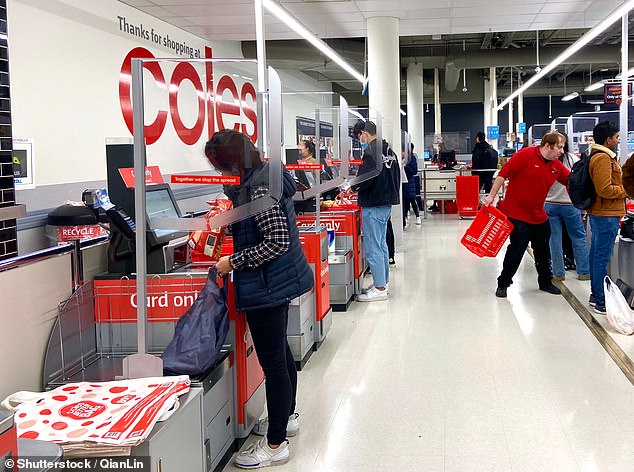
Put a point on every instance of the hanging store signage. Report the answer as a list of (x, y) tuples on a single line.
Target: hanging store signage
[(521, 127), (493, 132), (306, 127), (612, 93)]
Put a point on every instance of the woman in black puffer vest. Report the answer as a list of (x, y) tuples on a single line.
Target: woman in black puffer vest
[(270, 270)]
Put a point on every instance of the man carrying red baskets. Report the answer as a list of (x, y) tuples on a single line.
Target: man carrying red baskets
[(531, 172)]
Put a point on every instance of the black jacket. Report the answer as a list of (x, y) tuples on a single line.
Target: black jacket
[(479, 158), (383, 189)]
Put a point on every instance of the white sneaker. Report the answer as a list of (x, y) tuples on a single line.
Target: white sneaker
[(373, 295), (259, 454), (418, 222), (365, 290), (292, 428)]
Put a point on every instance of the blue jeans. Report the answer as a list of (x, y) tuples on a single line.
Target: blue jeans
[(604, 230), (374, 231), (559, 215)]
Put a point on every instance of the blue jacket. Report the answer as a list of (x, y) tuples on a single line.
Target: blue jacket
[(278, 281), (411, 171)]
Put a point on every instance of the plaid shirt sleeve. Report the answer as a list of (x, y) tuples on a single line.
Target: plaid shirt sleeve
[(273, 225)]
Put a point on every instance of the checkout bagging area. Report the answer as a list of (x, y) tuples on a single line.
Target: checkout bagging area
[(204, 385)]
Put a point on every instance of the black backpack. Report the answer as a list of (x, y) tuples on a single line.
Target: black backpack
[(490, 158), (580, 186)]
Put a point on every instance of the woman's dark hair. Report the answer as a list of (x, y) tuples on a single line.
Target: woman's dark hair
[(232, 151), (310, 146), (566, 148)]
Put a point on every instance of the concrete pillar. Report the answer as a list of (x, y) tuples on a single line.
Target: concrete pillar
[(487, 105), (437, 117), (625, 99), (415, 112), (385, 92), (493, 94), (520, 107)]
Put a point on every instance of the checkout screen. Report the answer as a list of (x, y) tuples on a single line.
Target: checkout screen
[(160, 205)]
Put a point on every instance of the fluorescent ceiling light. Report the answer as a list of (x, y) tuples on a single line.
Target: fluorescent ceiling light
[(403, 113), (594, 86), (290, 21), (570, 96), (575, 47)]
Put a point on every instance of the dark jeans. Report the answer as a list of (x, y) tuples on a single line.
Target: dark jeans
[(522, 234), (407, 201), (268, 329), (389, 237)]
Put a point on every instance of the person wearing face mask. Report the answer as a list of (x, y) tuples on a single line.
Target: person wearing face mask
[(607, 209), (376, 197), (531, 173)]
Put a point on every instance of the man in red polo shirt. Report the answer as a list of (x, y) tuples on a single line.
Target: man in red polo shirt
[(531, 172)]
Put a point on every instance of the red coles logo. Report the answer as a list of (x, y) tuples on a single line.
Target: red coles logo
[(211, 107)]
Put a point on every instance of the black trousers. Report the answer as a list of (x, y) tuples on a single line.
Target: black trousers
[(486, 181), (538, 236), (407, 202), (389, 238), (268, 329)]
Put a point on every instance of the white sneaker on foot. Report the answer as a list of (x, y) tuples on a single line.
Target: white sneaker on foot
[(259, 454), (418, 222), (292, 428), (373, 295), (365, 290)]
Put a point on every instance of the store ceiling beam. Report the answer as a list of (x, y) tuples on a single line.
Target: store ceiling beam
[(486, 41), (508, 39)]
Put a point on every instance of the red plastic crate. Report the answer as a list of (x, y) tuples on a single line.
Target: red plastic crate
[(487, 233), (467, 195)]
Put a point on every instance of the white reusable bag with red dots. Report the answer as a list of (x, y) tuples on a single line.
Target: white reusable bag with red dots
[(120, 413)]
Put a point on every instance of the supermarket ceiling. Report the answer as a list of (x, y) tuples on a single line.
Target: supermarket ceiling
[(434, 32)]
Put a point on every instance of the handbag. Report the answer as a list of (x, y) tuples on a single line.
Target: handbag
[(200, 332), (620, 315)]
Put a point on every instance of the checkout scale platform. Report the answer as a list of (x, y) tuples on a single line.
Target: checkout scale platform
[(96, 329)]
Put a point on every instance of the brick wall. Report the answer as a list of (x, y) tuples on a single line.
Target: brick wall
[(8, 230)]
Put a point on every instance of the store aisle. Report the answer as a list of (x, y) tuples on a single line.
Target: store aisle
[(444, 376)]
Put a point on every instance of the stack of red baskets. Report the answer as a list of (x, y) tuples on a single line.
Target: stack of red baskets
[(467, 195), (487, 233)]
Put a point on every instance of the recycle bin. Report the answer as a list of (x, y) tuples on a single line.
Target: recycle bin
[(72, 221)]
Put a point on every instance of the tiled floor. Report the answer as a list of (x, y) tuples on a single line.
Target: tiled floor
[(444, 376)]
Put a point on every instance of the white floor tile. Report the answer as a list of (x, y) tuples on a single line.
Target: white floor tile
[(444, 376)]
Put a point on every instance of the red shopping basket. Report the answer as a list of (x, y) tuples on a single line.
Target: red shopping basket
[(467, 195), (488, 232)]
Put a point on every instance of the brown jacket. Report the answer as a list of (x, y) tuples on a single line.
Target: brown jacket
[(605, 172)]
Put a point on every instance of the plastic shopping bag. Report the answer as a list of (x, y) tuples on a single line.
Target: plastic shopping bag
[(119, 413), (620, 315), (200, 332)]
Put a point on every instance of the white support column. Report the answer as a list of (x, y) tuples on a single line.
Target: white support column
[(415, 112), (437, 115), (625, 99), (493, 93), (511, 124), (487, 105), (385, 92)]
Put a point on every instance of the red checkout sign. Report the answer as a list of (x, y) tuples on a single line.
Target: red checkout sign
[(152, 175)]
